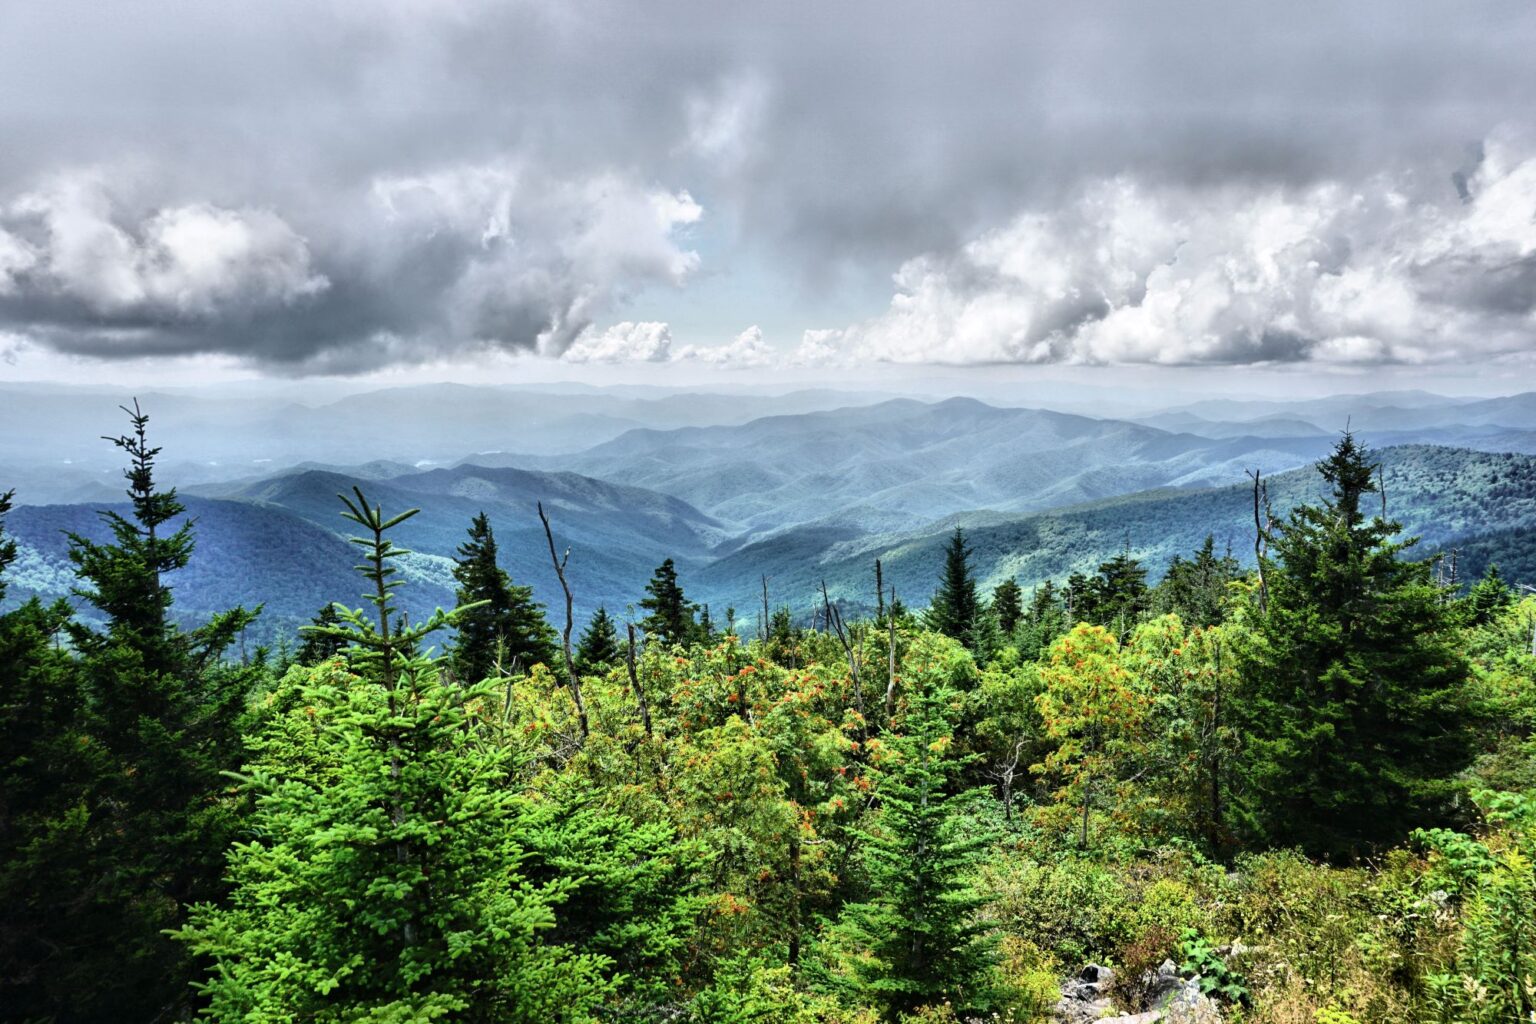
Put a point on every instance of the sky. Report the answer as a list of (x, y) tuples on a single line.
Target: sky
[(1268, 197)]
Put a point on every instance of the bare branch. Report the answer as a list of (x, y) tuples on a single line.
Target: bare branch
[(570, 664)]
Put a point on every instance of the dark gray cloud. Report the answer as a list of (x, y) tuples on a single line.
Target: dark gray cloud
[(333, 186)]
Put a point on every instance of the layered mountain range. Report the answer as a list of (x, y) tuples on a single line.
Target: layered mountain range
[(814, 491)]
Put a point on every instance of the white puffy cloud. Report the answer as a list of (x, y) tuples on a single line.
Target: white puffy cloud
[(71, 243), (747, 350), (820, 347), (1130, 272), (647, 341)]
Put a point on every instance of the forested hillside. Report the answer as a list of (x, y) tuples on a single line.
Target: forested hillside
[(1296, 789), (1448, 497)]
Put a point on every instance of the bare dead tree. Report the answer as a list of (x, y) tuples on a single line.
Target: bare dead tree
[(835, 621), (764, 619), (570, 663), (890, 679), (1381, 485), (1005, 773), (634, 680), (879, 590), (1261, 528)]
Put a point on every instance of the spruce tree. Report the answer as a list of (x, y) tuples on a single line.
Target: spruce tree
[(917, 940), (165, 713), (671, 615), (1195, 589), (1352, 708), (1489, 596), (382, 878), (502, 626), (599, 644), (956, 609), (1120, 594), (47, 765), (1008, 604), (319, 643)]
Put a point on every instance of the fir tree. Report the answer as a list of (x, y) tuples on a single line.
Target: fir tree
[(671, 615), (1352, 707), (7, 546), (166, 715), (1008, 604), (320, 643), (599, 644), (956, 609), (917, 941), (1488, 597), (1046, 620), (1120, 594), (47, 765), (505, 629), (1195, 589), (383, 879)]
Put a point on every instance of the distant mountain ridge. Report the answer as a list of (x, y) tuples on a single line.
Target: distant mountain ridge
[(918, 460), (1449, 497)]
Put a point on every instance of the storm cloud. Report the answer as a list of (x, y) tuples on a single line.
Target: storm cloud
[(333, 187)]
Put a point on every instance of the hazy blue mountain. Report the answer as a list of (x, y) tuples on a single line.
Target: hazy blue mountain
[(246, 554), (280, 540), (50, 446), (1268, 426), (1377, 412), (918, 460), (1450, 497)]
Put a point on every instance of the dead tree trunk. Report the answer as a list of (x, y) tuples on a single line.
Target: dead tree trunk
[(835, 622), (1260, 534), (570, 663), (634, 681), (890, 678), (764, 619)]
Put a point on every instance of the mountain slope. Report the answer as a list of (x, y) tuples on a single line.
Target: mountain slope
[(917, 460), (245, 554), (1448, 496)]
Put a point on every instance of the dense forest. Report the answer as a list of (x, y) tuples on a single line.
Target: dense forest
[(1297, 790)]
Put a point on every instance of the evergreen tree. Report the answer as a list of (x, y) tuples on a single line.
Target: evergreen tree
[(7, 546), (1120, 595), (1008, 604), (1488, 597), (505, 628), (956, 609), (382, 880), (47, 763), (599, 644), (917, 941), (784, 637), (162, 720), (1352, 707), (671, 615), (1195, 589), (320, 643), (1081, 599), (1047, 619)]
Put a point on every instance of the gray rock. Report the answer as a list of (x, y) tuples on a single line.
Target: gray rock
[(1160, 985), (1188, 1005), (1085, 998)]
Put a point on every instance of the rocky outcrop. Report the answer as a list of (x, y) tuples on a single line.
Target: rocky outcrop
[(1170, 999), (1085, 998)]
